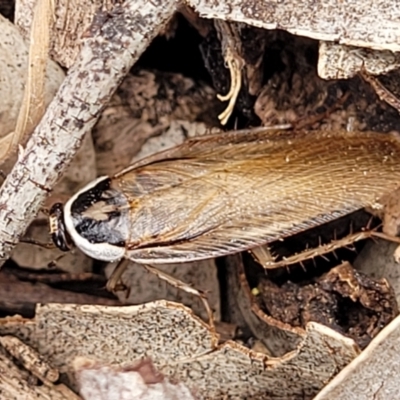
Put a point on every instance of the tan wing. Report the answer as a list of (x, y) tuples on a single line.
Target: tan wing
[(210, 143), (231, 195)]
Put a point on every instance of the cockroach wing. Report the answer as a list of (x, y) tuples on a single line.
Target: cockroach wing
[(231, 193)]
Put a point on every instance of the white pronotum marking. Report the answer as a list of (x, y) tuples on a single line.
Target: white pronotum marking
[(99, 251)]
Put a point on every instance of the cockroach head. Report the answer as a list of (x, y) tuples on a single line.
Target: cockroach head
[(58, 231)]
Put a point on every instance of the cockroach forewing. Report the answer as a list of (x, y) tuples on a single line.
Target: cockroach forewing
[(201, 144), (223, 194)]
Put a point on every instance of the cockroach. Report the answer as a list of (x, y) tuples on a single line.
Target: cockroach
[(221, 194)]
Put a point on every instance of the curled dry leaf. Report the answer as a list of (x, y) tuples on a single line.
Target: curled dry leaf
[(140, 381), (30, 359), (17, 383), (182, 348)]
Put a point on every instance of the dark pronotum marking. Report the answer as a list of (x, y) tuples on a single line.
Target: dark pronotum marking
[(111, 229)]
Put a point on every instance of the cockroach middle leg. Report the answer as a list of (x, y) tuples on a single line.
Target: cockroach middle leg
[(114, 284), (183, 286)]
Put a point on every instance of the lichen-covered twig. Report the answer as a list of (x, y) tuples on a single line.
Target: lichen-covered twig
[(112, 45)]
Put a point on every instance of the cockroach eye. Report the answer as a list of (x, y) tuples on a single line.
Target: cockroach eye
[(58, 231)]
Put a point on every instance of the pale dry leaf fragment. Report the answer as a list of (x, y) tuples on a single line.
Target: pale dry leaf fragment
[(164, 331), (184, 349), (338, 61), (234, 371), (360, 23), (13, 78), (373, 375), (141, 381)]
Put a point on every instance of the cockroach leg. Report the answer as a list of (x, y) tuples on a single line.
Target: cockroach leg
[(47, 245), (53, 263), (183, 286), (381, 91), (322, 249), (262, 255), (385, 236), (114, 282)]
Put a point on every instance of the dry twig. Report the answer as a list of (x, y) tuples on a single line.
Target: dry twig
[(112, 45)]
